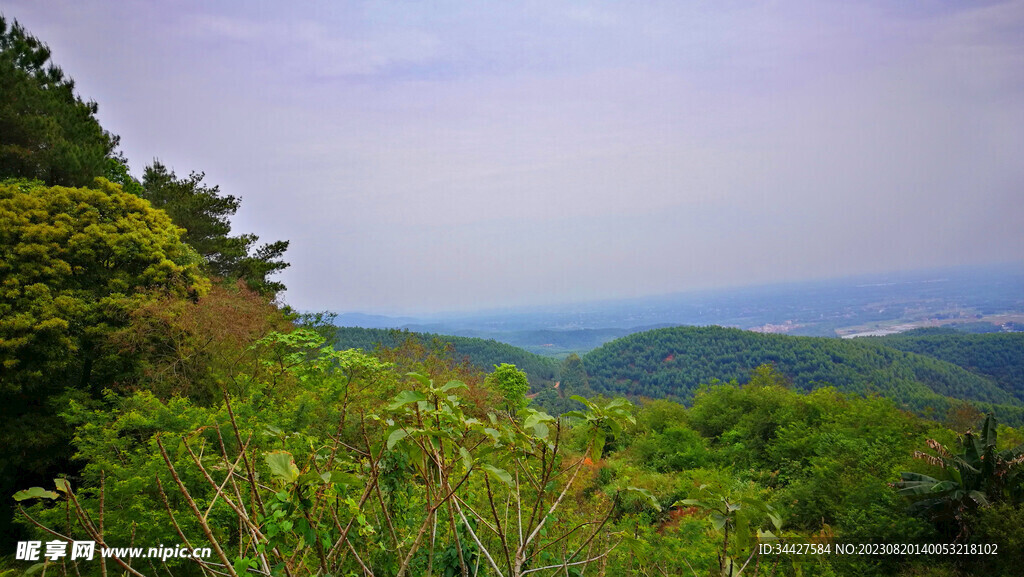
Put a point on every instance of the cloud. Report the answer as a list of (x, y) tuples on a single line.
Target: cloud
[(320, 50)]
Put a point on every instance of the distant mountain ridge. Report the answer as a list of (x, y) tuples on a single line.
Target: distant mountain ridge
[(810, 308), (864, 304)]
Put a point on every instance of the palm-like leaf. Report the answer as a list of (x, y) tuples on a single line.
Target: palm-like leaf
[(973, 479)]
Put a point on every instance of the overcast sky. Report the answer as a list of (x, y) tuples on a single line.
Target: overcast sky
[(426, 155)]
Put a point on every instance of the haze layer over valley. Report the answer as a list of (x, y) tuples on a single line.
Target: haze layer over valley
[(976, 299)]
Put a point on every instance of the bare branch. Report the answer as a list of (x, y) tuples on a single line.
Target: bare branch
[(195, 510)]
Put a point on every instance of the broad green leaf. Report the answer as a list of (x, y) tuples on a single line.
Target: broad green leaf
[(648, 494), (406, 397), (63, 486), (499, 474), (35, 493), (541, 430), (597, 445), (918, 477), (617, 402), (451, 385), (311, 478), (396, 436), (615, 427), (467, 459), (536, 417), (955, 473), (421, 379), (690, 503), (282, 466), (979, 498), (766, 536), (340, 478)]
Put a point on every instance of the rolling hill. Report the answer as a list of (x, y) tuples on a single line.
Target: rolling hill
[(998, 356), (482, 353), (674, 362), (922, 370)]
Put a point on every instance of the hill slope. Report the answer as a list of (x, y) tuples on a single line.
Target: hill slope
[(998, 356), (674, 362), (481, 353)]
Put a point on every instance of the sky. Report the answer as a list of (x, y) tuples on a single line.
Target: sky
[(426, 156)]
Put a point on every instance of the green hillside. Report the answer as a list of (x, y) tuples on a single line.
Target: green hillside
[(999, 356), (558, 344), (482, 353), (674, 362)]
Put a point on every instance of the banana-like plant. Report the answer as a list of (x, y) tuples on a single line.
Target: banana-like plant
[(973, 479)]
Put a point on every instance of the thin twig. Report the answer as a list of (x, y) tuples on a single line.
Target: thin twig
[(195, 510)]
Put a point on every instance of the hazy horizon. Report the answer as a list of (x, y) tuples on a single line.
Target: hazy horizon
[(440, 156), (895, 276)]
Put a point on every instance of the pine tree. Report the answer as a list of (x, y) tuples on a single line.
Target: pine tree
[(47, 132), (205, 214)]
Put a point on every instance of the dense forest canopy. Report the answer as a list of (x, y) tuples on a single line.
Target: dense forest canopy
[(999, 356), (675, 362)]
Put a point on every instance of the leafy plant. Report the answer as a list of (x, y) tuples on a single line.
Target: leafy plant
[(973, 479), (512, 384), (599, 422), (740, 520)]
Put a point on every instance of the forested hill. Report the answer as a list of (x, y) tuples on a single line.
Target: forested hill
[(921, 370), (481, 353), (999, 356), (674, 362)]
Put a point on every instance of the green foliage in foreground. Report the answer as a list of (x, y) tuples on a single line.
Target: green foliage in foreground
[(302, 470), (74, 263), (324, 461), (976, 478)]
